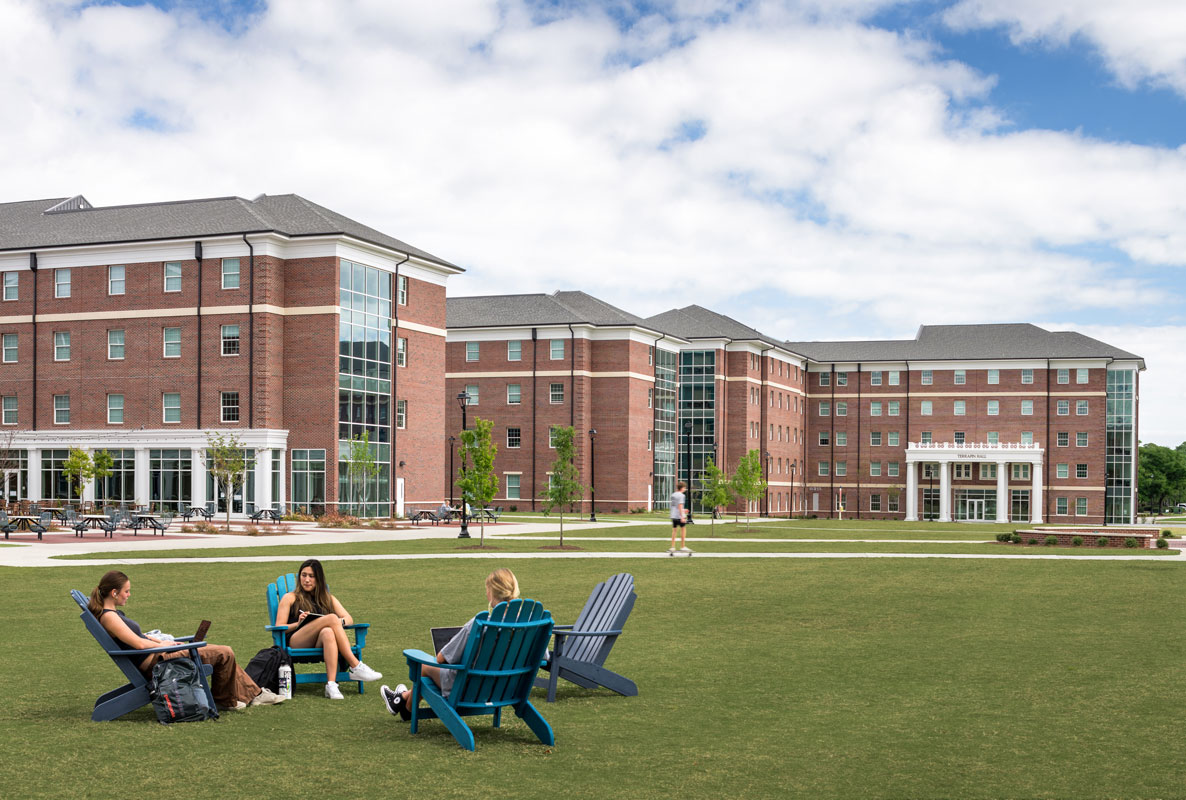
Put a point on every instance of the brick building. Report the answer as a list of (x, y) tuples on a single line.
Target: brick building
[(139, 329)]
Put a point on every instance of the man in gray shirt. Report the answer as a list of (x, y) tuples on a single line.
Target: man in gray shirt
[(679, 519)]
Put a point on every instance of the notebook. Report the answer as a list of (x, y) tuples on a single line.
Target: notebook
[(202, 628), (441, 637)]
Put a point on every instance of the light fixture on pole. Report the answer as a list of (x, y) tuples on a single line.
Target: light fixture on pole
[(592, 476), (688, 448), (793, 465), (463, 401), (766, 513), (452, 475)]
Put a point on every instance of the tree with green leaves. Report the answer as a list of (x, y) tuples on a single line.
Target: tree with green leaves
[(228, 463), (80, 468), (477, 481), (748, 483), (564, 488), (361, 466), (1161, 476), (716, 489)]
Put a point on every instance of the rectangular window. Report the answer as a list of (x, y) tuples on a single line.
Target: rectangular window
[(555, 392), (925, 410), (874, 408), (61, 345), (513, 487), (892, 469), (401, 414), (824, 439), (115, 279), (928, 377), (1021, 472), (1080, 439), (514, 394), (115, 409), (1081, 375), (171, 406), (825, 408), (875, 378), (401, 351), (230, 273), (994, 408), (874, 469), (825, 379), (1080, 470), (841, 439), (1062, 471), (472, 351), (172, 276), (875, 438), (230, 340), (960, 407), (994, 376), (1060, 506), (874, 502), (892, 505), (1063, 438), (924, 437), (895, 408), (650, 356), (842, 379), (994, 437), (514, 438), (963, 472), (1063, 408), (471, 394), (1064, 376), (172, 342), (650, 440), (841, 469), (961, 377), (959, 437), (895, 377), (61, 409), (988, 471), (1080, 506), (1027, 437), (401, 293), (10, 410), (10, 348), (12, 285), (823, 467), (1027, 376), (1027, 408), (1081, 408), (556, 349), (650, 398), (552, 437), (229, 402), (930, 470), (515, 350), (892, 439), (61, 283), (842, 408), (115, 345)]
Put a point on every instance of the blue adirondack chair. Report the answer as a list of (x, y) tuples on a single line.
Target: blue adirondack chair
[(305, 655), (581, 648), (497, 669), (134, 694)]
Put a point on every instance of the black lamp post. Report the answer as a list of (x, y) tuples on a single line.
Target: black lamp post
[(463, 401), (766, 513), (592, 476), (688, 447), (452, 440), (715, 510), (793, 465)]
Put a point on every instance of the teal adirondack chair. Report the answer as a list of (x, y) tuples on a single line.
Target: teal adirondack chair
[(497, 669), (306, 655)]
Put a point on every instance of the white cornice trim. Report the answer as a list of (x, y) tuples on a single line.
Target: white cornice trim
[(187, 311), (548, 373), (404, 324), (258, 438)]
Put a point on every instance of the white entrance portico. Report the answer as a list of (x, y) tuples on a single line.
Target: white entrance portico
[(945, 454)]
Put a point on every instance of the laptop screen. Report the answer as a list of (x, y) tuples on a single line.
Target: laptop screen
[(441, 637)]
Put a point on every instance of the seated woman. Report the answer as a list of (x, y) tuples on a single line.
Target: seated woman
[(230, 685), (319, 619), (501, 585)]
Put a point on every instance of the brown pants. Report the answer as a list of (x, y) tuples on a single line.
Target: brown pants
[(228, 683)]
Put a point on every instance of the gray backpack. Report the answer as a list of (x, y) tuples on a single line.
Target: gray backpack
[(177, 693)]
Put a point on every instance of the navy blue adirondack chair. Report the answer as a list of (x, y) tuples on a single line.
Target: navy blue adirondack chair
[(581, 648), (306, 655), (133, 694), (497, 669)]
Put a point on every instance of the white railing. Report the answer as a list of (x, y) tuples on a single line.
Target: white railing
[(972, 446)]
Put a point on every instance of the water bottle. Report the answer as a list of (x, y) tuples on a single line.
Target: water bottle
[(285, 681)]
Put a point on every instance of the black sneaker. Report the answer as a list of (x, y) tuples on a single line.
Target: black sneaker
[(394, 700)]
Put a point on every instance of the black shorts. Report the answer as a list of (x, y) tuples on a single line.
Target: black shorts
[(678, 523)]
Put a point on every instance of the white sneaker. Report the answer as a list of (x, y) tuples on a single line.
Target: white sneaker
[(266, 697), (684, 550), (361, 672), (333, 692)]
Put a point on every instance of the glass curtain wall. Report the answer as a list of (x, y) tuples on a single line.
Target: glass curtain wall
[(364, 387), (14, 469), (120, 486), (170, 479), (308, 481), (1121, 439), (697, 405), (663, 469), (243, 494), (54, 485)]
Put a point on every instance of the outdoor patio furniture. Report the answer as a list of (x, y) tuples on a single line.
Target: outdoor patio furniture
[(306, 655), (23, 522)]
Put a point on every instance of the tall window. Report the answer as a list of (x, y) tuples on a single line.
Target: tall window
[(557, 349), (229, 403), (1063, 438), (171, 407), (892, 468), (841, 439), (115, 279), (874, 379), (230, 273), (1064, 376), (515, 350), (1027, 376), (824, 467), (471, 394), (172, 276), (1080, 470), (895, 407), (513, 483), (172, 342), (841, 469), (308, 480), (402, 293), (514, 394), (927, 377), (1060, 506), (230, 340), (925, 437), (401, 351), (514, 438), (959, 437), (1063, 408), (994, 408), (115, 345), (61, 409), (1021, 472), (1081, 375), (894, 377), (10, 348), (824, 438), (556, 392), (842, 408), (842, 379), (960, 408), (875, 438), (1080, 439), (10, 409), (961, 377), (892, 439), (874, 408), (472, 351), (1081, 408), (62, 346), (874, 469), (993, 437), (825, 408), (994, 376), (1062, 470), (12, 285), (61, 283), (552, 437), (925, 410), (115, 409), (1080, 506), (401, 414), (1027, 408), (1027, 437), (825, 379)]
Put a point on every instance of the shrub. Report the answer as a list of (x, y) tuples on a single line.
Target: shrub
[(1015, 538), (1076, 541), (187, 528), (335, 520), (1004, 537), (1032, 540), (1130, 542), (297, 516), (1102, 541), (1167, 533), (251, 530), (1162, 544), (1051, 540), (514, 508)]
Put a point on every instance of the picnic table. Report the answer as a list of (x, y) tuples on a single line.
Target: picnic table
[(143, 519), (24, 523), (266, 513), (101, 521), (199, 511)]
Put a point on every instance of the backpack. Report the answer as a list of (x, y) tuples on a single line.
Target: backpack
[(264, 667), (177, 693)]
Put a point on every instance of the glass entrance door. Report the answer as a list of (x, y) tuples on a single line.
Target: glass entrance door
[(976, 510)]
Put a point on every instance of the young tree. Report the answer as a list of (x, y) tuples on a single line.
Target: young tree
[(716, 490), (478, 483), (563, 489), (748, 484), (228, 464), (361, 466), (80, 468)]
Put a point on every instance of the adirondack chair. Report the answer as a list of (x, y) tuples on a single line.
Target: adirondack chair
[(497, 669), (306, 655), (581, 660), (133, 694)]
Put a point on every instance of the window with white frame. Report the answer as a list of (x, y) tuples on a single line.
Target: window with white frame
[(874, 502), (891, 469), (650, 440), (825, 408), (930, 469), (171, 407), (874, 469), (61, 283), (1081, 408), (1027, 376), (230, 273), (825, 379), (230, 340), (892, 439), (988, 471), (172, 338), (650, 398), (552, 436), (401, 414), (961, 377), (1062, 438), (401, 293), (61, 409), (925, 408), (1062, 408), (875, 378), (650, 356), (1060, 506), (10, 410), (875, 438), (514, 438), (824, 438), (1080, 506), (471, 394), (1021, 472), (401, 351), (12, 283), (924, 437), (841, 469), (1064, 376), (842, 408), (1027, 408), (960, 408), (10, 348), (842, 379), (115, 279), (61, 345), (841, 439), (894, 408), (894, 377), (472, 351), (556, 348), (514, 394), (513, 486), (1080, 470), (1081, 375), (927, 377), (115, 409), (228, 402), (1027, 437), (1080, 439), (993, 437), (555, 393), (515, 350), (172, 276), (115, 345), (959, 437), (994, 408), (963, 472), (892, 504), (875, 408), (823, 467), (994, 376), (1062, 470)]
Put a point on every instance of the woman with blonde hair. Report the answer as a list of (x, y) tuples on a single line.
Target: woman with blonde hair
[(501, 585)]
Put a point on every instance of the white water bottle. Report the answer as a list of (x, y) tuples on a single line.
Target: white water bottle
[(285, 681)]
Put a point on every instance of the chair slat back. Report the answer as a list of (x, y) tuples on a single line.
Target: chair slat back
[(283, 585), (130, 670), (607, 609), (502, 655)]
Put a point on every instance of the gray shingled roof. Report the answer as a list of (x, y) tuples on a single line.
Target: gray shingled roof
[(27, 226), (966, 342), (558, 308), (697, 322)]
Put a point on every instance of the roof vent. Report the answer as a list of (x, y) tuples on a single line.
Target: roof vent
[(75, 203)]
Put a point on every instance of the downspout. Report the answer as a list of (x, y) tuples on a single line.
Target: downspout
[(572, 385), (765, 403), (858, 501), (250, 335), (198, 403), (534, 405), (33, 269), (906, 447), (1046, 453), (832, 442), (394, 482)]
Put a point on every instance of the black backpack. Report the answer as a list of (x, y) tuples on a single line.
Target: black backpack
[(264, 667), (177, 693)]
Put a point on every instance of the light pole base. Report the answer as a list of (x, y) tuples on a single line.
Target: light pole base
[(464, 534)]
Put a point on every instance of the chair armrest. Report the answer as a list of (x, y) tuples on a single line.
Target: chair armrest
[(421, 657), (275, 627), (357, 625), (183, 638), (561, 627), (154, 650), (585, 633)]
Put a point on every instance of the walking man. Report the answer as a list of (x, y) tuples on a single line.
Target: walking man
[(679, 520)]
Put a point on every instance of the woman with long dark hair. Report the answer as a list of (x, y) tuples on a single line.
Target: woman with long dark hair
[(320, 622)]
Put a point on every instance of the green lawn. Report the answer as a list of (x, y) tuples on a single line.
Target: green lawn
[(758, 678)]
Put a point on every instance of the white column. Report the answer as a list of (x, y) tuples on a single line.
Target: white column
[(88, 491), (278, 455), (197, 478), (1036, 495), (263, 480), (34, 484), (1002, 491), (912, 491), (945, 491), (140, 493)]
